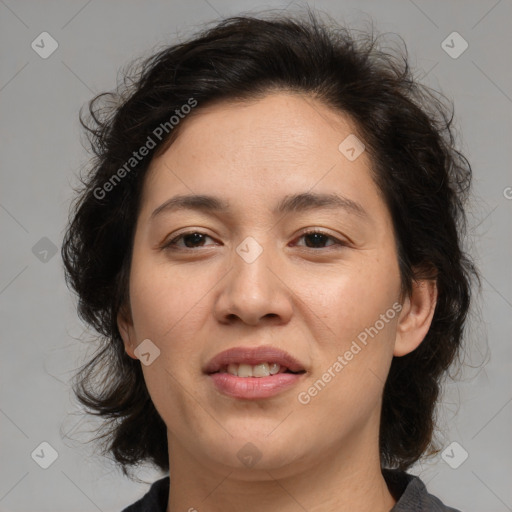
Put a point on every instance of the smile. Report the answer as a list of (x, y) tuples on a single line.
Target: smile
[(257, 370)]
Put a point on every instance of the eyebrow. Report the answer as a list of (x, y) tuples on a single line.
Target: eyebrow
[(305, 201)]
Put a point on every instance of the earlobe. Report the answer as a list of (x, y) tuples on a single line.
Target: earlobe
[(416, 316), (125, 326)]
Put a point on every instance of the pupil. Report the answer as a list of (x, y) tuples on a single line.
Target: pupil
[(196, 238), (317, 238)]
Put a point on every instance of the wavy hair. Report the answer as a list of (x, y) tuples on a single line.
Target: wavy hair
[(408, 133)]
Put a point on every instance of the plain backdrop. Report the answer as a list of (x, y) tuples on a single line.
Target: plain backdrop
[(41, 154)]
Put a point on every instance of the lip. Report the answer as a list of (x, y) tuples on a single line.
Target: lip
[(254, 388), (252, 356)]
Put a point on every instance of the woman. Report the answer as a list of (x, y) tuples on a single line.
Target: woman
[(270, 244)]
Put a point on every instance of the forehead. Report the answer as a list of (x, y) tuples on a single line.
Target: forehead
[(281, 144), (279, 127)]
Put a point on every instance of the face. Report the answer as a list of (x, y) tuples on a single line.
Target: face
[(318, 280)]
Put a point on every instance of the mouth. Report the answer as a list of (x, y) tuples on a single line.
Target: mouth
[(258, 370), (253, 373), (259, 361)]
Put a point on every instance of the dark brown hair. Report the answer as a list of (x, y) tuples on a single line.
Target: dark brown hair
[(408, 133)]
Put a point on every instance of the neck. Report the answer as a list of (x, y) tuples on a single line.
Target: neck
[(350, 480)]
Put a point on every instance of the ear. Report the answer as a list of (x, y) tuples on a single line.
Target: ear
[(416, 316), (125, 326)]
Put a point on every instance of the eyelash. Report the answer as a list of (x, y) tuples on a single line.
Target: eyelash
[(171, 245)]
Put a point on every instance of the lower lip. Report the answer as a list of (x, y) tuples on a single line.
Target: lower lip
[(253, 388)]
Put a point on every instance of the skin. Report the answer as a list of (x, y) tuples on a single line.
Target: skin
[(310, 300)]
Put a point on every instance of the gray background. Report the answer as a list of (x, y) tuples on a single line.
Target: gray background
[(40, 156)]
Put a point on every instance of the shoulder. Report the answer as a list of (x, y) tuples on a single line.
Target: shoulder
[(155, 500), (411, 494)]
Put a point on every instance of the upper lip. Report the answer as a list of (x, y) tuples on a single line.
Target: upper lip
[(252, 356)]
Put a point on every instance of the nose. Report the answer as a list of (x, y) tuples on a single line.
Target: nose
[(254, 292)]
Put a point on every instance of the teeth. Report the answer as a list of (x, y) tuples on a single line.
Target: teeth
[(274, 368), (260, 370), (244, 370), (257, 370), (233, 369)]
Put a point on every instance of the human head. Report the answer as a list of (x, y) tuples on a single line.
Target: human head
[(408, 141)]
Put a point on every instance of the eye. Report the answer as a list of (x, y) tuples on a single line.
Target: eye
[(191, 240), (318, 238)]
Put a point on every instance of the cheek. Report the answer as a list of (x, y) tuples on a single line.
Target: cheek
[(353, 363), (350, 298), (359, 305), (168, 307), (163, 297)]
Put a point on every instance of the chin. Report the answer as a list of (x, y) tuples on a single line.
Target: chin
[(248, 454)]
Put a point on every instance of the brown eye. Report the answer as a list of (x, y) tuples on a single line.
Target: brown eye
[(191, 240), (317, 239)]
